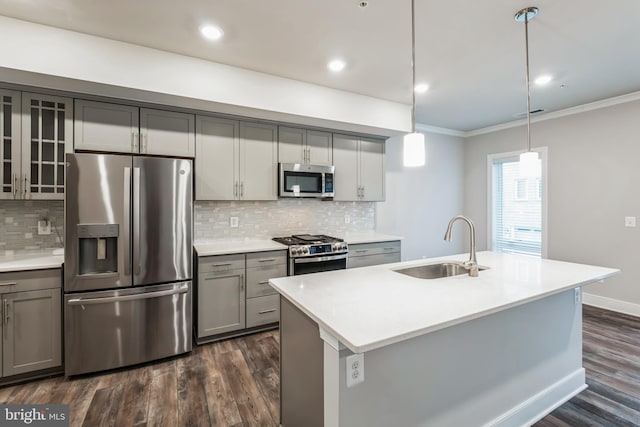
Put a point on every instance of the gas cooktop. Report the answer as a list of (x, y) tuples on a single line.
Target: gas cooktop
[(312, 245)]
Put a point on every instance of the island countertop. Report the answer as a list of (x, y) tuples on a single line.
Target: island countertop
[(372, 307)]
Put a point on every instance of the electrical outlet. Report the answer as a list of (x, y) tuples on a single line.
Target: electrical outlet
[(577, 295), (629, 221), (233, 222), (355, 369), (347, 219), (44, 227)]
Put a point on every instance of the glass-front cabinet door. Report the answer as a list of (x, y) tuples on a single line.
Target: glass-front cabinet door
[(10, 144), (47, 134)]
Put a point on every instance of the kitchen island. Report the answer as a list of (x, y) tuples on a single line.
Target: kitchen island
[(504, 348)]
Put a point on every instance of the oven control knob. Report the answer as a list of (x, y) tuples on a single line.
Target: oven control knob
[(305, 250), (294, 251)]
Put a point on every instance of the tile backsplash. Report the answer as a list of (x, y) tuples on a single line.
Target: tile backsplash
[(19, 225), (282, 217), (19, 220)]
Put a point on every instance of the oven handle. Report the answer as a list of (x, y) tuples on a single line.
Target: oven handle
[(319, 259)]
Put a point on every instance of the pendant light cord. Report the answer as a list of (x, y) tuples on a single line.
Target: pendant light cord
[(413, 66), (526, 43)]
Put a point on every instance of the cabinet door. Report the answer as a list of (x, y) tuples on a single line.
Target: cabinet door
[(291, 145), (47, 134), (221, 303), (101, 126), (372, 170), (258, 161), (319, 148), (32, 331), (10, 175), (167, 133), (216, 168), (345, 158)]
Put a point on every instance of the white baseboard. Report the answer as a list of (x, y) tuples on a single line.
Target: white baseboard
[(611, 304), (541, 404)]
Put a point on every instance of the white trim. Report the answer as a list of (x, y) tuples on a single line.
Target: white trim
[(596, 105), (329, 338), (544, 402), (611, 304), (443, 131)]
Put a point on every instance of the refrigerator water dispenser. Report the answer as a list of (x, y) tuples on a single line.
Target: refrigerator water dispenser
[(97, 248)]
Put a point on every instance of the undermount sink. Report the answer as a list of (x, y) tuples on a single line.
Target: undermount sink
[(437, 271)]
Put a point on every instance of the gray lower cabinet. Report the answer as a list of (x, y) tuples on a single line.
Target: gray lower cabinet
[(31, 321), (233, 293), (367, 254)]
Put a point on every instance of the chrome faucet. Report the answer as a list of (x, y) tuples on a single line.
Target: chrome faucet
[(472, 264)]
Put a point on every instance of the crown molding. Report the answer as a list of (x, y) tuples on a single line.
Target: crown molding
[(442, 131), (609, 102)]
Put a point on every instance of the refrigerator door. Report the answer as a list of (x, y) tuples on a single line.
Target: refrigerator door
[(162, 220), (97, 222), (110, 329)]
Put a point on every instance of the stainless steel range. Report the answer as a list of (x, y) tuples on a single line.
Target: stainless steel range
[(314, 253)]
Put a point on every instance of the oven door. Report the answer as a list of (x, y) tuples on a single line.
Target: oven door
[(317, 264)]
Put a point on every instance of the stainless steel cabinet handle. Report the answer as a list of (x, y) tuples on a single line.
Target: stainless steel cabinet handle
[(6, 312), (267, 311), (265, 282), (242, 283), (14, 186), (26, 186), (220, 265), (8, 284), (267, 260), (359, 251), (133, 142), (136, 220), (127, 216), (146, 295)]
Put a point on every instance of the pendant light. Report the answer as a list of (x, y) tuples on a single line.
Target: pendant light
[(413, 144), (529, 162)]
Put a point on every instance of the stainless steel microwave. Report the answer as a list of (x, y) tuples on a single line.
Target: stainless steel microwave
[(300, 180)]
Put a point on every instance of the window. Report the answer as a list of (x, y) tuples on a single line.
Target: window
[(517, 214)]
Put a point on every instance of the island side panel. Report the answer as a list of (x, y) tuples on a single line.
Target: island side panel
[(301, 369), (507, 369)]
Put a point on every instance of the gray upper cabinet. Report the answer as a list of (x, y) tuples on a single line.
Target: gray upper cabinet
[(235, 160), (360, 168), (36, 133), (297, 145), (102, 126)]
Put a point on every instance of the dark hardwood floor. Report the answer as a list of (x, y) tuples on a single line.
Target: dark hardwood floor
[(236, 383)]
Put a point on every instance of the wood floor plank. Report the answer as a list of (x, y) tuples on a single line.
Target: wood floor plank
[(135, 407), (191, 376), (104, 407), (163, 399)]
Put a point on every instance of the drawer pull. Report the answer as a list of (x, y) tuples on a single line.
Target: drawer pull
[(8, 284), (221, 265), (267, 311), (265, 282), (359, 251), (267, 260), (389, 249)]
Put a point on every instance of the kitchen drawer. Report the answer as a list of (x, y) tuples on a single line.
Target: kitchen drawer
[(364, 249), (263, 310), (31, 280), (375, 259), (258, 279), (259, 259), (220, 263)]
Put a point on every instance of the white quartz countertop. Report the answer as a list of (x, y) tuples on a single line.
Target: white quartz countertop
[(372, 307), (40, 260), (368, 237), (224, 247)]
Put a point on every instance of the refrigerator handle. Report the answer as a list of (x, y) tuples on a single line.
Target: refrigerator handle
[(144, 295), (126, 238), (136, 220)]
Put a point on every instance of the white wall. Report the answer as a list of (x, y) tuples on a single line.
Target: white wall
[(53, 58), (421, 201), (593, 179)]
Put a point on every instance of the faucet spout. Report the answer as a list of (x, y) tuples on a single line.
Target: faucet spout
[(472, 264)]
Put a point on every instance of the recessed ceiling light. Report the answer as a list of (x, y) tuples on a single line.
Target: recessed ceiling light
[(211, 32), (543, 80), (336, 65), (421, 88)]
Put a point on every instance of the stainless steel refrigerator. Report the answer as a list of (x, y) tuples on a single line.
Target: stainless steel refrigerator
[(128, 260)]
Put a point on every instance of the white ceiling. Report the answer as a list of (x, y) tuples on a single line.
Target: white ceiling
[(470, 52)]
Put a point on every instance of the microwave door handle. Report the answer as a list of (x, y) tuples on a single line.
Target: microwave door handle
[(127, 222)]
